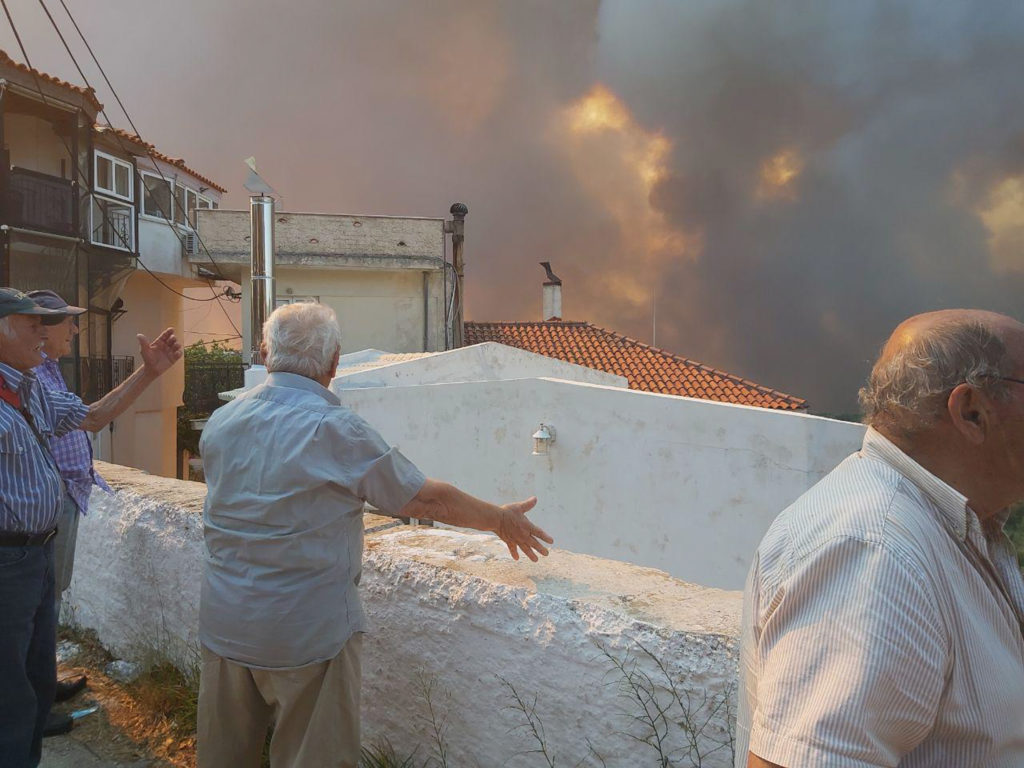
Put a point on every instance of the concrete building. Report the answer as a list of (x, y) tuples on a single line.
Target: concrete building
[(386, 277), (106, 220)]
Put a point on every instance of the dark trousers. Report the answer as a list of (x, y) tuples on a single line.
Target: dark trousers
[(28, 640)]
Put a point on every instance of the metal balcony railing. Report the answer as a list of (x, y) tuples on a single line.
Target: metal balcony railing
[(38, 201)]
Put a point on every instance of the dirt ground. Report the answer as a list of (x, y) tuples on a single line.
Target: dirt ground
[(124, 732)]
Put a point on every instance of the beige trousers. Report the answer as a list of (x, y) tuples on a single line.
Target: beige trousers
[(314, 711)]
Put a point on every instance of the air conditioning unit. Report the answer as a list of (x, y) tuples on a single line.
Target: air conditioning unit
[(191, 241)]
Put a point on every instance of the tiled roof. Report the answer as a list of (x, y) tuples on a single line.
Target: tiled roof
[(177, 162), (89, 93), (646, 368)]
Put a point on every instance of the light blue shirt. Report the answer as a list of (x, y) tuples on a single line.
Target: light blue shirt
[(287, 470), (31, 490)]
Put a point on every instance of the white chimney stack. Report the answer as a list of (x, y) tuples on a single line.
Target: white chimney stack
[(552, 304)]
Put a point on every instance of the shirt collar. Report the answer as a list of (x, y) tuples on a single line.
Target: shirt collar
[(951, 504), (12, 376), (297, 381)]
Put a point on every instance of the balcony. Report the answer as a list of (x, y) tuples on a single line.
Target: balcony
[(39, 202)]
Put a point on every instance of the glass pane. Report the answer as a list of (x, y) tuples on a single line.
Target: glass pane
[(179, 204), (112, 224), (123, 178), (203, 203), (156, 199), (104, 173)]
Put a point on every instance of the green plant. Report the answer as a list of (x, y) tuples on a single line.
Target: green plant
[(438, 722), (164, 690), (676, 723), (383, 755)]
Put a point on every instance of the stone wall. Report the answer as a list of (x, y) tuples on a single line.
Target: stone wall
[(452, 614)]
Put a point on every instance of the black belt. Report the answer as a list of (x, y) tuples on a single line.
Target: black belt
[(26, 539)]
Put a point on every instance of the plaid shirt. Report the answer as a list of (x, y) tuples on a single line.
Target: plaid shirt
[(73, 451)]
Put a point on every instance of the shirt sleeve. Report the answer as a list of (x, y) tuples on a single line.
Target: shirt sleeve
[(66, 410), (852, 660), (373, 470)]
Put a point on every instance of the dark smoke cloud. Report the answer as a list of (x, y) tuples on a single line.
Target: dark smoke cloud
[(905, 115)]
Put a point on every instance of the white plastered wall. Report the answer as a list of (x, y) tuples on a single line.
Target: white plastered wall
[(446, 609), (144, 436), (381, 309), (687, 486)]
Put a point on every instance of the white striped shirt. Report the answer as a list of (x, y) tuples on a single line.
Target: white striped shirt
[(882, 627)]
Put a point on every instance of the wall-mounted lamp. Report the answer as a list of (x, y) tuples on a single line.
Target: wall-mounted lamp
[(542, 439)]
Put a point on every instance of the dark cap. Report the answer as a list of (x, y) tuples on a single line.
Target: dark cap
[(14, 302), (52, 300)]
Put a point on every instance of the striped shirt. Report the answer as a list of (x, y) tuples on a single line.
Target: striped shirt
[(73, 451), (31, 490), (882, 627)]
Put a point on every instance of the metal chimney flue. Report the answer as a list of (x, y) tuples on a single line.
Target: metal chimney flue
[(551, 306), (261, 214)]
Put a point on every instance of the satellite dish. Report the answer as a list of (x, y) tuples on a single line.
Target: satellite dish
[(257, 185)]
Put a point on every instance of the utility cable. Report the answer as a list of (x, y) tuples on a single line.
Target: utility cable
[(156, 163), (71, 154)]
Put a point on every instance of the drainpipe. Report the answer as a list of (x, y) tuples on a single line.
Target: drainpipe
[(261, 215), (426, 309), (456, 227)]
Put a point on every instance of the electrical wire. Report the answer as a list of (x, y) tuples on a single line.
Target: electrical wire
[(149, 153)]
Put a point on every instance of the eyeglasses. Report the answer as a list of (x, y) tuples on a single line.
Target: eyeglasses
[(1010, 378)]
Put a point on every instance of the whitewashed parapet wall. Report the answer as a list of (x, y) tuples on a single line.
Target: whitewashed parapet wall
[(683, 485), (453, 614)]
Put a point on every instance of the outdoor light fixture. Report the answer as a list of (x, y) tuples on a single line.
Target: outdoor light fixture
[(542, 439)]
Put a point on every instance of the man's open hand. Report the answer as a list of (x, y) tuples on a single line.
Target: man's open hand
[(519, 533), (161, 353)]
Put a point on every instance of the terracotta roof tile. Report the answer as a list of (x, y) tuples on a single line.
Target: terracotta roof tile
[(646, 368), (177, 162), (89, 93)]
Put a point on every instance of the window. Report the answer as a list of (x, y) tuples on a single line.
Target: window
[(186, 200), (156, 197), (112, 224), (281, 301), (113, 176)]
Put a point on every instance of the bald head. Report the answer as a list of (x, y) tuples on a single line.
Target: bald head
[(930, 354)]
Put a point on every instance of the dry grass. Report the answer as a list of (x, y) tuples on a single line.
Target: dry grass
[(153, 717)]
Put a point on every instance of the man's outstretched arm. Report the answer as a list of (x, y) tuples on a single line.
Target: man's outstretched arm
[(446, 504), (157, 357)]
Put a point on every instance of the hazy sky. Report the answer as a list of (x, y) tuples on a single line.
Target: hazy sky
[(787, 180)]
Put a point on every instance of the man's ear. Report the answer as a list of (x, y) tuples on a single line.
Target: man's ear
[(970, 411), (263, 351)]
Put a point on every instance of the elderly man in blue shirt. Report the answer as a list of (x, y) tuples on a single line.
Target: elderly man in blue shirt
[(288, 469), (32, 496)]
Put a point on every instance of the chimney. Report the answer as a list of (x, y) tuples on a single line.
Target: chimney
[(552, 305), (261, 214)]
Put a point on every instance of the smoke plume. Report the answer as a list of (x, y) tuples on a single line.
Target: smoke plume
[(785, 181)]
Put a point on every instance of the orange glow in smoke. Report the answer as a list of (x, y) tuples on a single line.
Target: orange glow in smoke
[(619, 162), (779, 174), (1002, 213)]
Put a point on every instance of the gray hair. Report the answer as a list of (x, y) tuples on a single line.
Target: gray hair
[(6, 329), (302, 338), (908, 389)]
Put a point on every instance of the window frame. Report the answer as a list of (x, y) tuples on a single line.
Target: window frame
[(114, 163), (131, 218), (142, 197)]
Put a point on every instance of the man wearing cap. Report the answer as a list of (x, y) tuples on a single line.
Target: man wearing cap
[(73, 456), (31, 503)]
